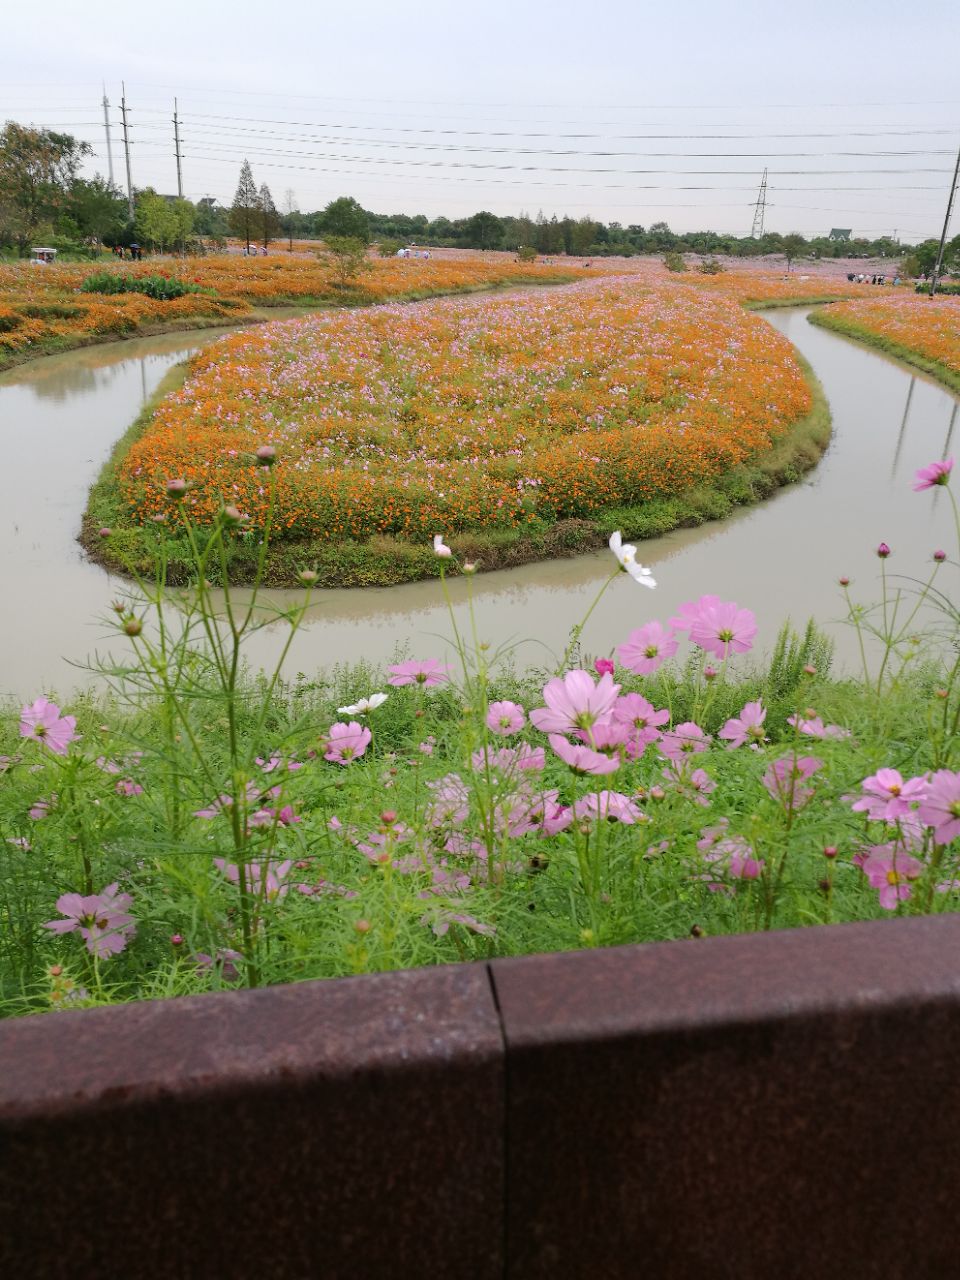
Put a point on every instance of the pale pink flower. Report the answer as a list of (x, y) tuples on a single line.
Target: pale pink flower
[(627, 558), (42, 722), (505, 718), (940, 806), (936, 473), (785, 778), (429, 672), (574, 702), (887, 798), (734, 856), (647, 648), (643, 720), (440, 548), (711, 836), (263, 881), (611, 805), (583, 759), (691, 612), (747, 727), (890, 873), (686, 739), (440, 922), (723, 628), (40, 808), (608, 735), (695, 784), (813, 727), (451, 801), (225, 961), (101, 918), (127, 787), (346, 742)]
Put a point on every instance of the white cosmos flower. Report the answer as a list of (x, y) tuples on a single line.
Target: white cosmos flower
[(627, 556), (439, 547), (364, 705)]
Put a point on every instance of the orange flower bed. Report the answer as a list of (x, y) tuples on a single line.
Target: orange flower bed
[(38, 303), (471, 414), (928, 327)]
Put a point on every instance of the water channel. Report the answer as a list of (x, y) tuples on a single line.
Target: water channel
[(60, 416)]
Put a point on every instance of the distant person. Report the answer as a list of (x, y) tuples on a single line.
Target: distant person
[(850, 276)]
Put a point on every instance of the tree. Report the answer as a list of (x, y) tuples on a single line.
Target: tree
[(347, 258), (97, 208), (245, 210), (483, 231), (37, 169), (156, 220), (344, 217), (792, 247), (269, 218)]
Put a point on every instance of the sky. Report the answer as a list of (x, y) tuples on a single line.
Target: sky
[(620, 113)]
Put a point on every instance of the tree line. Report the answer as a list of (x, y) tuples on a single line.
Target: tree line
[(43, 198)]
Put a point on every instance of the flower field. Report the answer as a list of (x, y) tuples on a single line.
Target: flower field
[(915, 327), (478, 415), (42, 307)]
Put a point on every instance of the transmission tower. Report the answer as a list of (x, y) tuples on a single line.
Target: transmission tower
[(760, 209), (106, 125)]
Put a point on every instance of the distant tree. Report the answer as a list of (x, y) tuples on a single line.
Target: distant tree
[(245, 210), (344, 217), (269, 218), (582, 235), (156, 221), (483, 231), (97, 208), (792, 247), (37, 169)]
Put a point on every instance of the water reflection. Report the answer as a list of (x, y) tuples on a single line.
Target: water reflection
[(781, 558)]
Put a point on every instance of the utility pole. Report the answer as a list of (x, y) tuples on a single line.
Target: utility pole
[(760, 209), (106, 125), (946, 224), (126, 146), (176, 140)]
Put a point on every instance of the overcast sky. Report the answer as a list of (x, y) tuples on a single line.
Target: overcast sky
[(613, 111)]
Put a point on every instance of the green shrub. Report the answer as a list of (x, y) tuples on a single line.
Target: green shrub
[(160, 288), (674, 262)]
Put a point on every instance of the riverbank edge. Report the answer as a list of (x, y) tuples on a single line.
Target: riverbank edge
[(261, 314), (387, 561), (949, 378)]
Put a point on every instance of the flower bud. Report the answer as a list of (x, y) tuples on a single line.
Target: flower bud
[(469, 567), (233, 516), (105, 533), (308, 577), (388, 817), (939, 556), (809, 669), (266, 455), (133, 626), (710, 673), (883, 551), (844, 582), (696, 931), (829, 850), (604, 667), (176, 939), (362, 926), (177, 489)]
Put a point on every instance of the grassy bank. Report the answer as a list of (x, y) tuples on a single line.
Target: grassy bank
[(849, 329), (387, 561)]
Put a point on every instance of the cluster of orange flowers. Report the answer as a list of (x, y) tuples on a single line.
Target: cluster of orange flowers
[(930, 327), (771, 286), (471, 414), (44, 302)]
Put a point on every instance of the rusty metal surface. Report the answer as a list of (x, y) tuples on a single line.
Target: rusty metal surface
[(349, 1128), (783, 1105)]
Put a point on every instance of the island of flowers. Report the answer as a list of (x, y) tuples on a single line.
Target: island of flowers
[(921, 330), (494, 418)]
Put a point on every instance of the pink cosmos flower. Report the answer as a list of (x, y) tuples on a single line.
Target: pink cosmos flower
[(225, 961), (346, 742), (101, 918), (507, 759), (608, 735), (813, 727), (611, 805), (686, 739), (440, 922), (451, 801), (887, 798), (42, 722), (429, 672), (936, 473), (574, 702), (582, 759), (265, 881), (690, 612), (127, 787), (940, 806), (723, 628), (642, 719), (604, 667), (890, 873), (647, 648), (695, 785), (505, 718), (747, 727), (40, 808), (785, 778)]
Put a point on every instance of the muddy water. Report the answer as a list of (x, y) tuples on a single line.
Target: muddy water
[(60, 416)]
